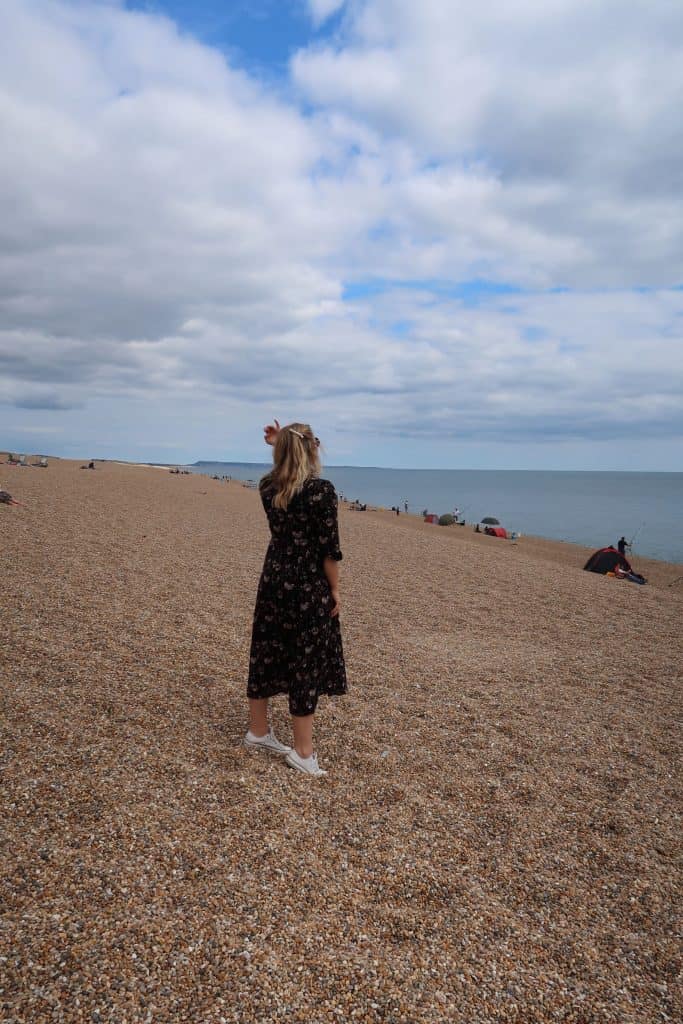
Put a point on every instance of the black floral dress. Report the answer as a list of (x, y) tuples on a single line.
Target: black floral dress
[(296, 645)]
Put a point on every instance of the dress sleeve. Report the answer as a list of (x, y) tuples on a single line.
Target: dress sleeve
[(326, 525)]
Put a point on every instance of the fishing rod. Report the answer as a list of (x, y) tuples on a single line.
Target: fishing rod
[(630, 543)]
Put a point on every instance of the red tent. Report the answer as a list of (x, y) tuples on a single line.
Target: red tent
[(607, 560), (496, 531)]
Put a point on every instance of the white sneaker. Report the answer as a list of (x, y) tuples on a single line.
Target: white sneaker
[(267, 742), (308, 765)]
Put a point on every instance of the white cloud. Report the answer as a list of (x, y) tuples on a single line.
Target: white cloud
[(570, 108), (524, 366), (175, 189), (175, 234)]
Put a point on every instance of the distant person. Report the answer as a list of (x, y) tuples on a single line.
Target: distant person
[(296, 645), (405, 507), (622, 545), (456, 513)]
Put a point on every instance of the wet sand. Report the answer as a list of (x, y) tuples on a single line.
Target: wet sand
[(498, 838)]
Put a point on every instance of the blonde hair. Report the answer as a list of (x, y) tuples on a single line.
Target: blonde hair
[(295, 460)]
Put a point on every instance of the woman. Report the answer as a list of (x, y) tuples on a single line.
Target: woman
[(296, 645)]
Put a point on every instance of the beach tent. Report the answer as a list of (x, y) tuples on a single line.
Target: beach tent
[(494, 531), (431, 518), (606, 560)]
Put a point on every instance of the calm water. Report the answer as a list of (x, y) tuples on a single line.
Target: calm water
[(586, 508)]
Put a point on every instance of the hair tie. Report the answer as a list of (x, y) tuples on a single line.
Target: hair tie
[(293, 431)]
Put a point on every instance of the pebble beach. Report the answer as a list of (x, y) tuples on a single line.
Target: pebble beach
[(499, 835)]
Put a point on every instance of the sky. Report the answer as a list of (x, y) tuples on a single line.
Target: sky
[(445, 234)]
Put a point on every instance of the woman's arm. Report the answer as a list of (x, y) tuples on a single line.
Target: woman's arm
[(331, 569), (324, 506)]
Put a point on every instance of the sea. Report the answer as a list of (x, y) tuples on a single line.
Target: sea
[(591, 508)]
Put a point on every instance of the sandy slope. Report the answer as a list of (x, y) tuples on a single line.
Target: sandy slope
[(498, 837)]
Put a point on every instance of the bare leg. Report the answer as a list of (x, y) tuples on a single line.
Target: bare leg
[(302, 727), (258, 716)]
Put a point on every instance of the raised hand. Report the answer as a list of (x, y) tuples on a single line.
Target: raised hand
[(270, 432)]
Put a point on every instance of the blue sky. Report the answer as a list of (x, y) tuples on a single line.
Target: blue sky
[(259, 35), (443, 234)]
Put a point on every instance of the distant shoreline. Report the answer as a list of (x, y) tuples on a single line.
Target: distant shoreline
[(589, 523), (586, 509), (437, 469), (343, 465)]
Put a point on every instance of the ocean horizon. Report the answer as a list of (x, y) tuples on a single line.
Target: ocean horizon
[(588, 507)]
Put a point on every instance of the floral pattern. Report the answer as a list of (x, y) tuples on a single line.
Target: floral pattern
[(296, 645)]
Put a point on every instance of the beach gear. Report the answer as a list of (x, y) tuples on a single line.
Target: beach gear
[(632, 577), (307, 765), (611, 562), (606, 560), (495, 531), (267, 742)]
